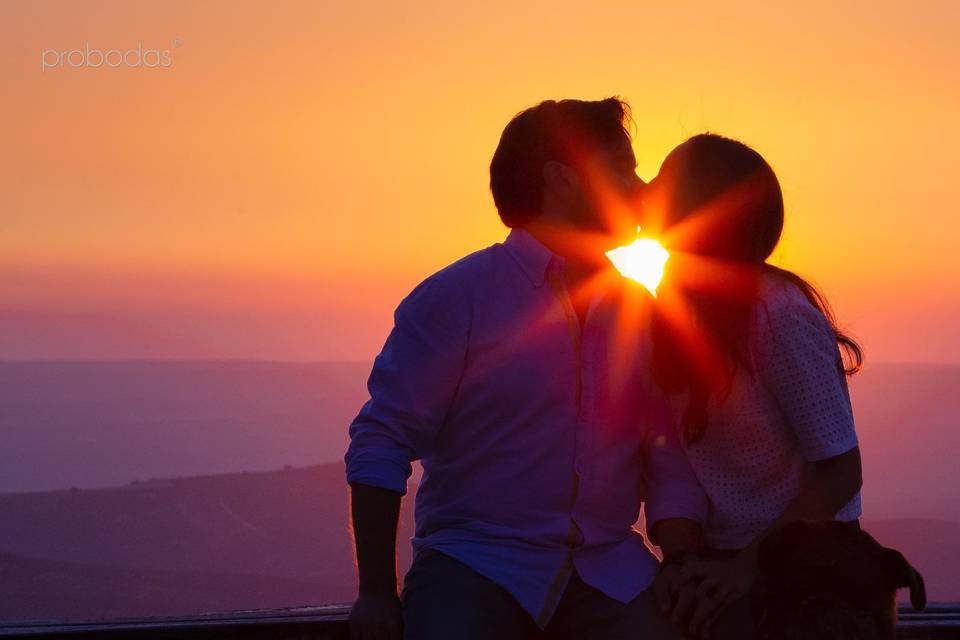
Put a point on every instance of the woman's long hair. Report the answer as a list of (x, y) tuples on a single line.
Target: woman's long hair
[(721, 211)]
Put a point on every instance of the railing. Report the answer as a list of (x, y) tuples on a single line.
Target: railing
[(939, 620), (306, 623), (330, 623)]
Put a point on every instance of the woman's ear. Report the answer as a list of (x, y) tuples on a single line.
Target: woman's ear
[(902, 575), (560, 179)]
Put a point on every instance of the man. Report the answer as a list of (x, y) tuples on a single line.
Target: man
[(513, 376)]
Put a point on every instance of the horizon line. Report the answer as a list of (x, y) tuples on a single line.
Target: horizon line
[(318, 361)]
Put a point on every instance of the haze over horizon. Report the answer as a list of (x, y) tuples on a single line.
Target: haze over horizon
[(200, 259), (97, 424), (274, 193)]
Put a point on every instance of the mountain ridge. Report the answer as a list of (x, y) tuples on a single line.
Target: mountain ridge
[(272, 539)]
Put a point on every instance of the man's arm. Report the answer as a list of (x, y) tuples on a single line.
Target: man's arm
[(678, 536), (374, 514), (676, 504), (412, 385)]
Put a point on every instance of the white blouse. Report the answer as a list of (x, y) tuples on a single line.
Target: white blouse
[(793, 408)]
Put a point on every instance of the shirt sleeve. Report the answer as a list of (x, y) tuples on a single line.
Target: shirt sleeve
[(802, 368), (412, 385), (672, 488)]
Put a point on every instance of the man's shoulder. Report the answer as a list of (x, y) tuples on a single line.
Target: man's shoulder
[(462, 279), (469, 270), (473, 265)]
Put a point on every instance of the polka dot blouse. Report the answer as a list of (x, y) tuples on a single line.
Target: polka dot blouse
[(794, 407)]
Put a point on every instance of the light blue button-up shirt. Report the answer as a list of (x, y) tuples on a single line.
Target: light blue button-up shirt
[(529, 428)]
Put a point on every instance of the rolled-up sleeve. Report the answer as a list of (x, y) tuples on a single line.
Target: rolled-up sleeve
[(803, 371), (672, 488), (413, 382)]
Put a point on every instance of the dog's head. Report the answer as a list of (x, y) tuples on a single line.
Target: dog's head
[(830, 569)]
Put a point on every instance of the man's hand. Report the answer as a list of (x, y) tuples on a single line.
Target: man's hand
[(376, 616), (709, 587), (667, 586)]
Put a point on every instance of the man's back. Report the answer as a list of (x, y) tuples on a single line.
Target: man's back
[(527, 426), (522, 405)]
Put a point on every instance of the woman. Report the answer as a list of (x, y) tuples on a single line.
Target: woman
[(749, 358)]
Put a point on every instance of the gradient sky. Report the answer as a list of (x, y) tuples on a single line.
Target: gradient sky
[(301, 165)]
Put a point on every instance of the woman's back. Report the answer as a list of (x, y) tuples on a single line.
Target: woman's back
[(792, 407)]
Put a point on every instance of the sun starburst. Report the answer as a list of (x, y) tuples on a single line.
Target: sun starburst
[(643, 261)]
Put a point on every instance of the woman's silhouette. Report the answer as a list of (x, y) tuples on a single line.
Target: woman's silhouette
[(753, 368)]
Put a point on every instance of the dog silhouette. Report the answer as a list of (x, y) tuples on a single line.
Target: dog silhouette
[(830, 580)]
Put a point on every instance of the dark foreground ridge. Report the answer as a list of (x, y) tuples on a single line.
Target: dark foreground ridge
[(330, 623)]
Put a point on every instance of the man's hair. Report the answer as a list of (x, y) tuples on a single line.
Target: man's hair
[(566, 131)]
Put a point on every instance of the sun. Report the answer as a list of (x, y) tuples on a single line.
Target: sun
[(642, 260)]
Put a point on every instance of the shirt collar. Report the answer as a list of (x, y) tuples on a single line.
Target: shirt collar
[(532, 256)]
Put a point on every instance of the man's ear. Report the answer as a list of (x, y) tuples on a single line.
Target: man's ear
[(902, 575), (560, 178)]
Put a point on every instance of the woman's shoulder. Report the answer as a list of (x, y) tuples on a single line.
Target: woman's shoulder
[(776, 291), (779, 296), (783, 311)]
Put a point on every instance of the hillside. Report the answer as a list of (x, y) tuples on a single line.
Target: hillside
[(248, 540), (282, 535), (32, 589), (91, 423), (244, 540)]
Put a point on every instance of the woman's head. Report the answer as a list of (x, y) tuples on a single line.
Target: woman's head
[(718, 208), (718, 198)]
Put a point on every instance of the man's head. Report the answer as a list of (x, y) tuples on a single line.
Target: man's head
[(570, 161)]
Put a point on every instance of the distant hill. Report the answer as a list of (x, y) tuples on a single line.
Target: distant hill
[(90, 423), (281, 536), (187, 545), (35, 589), (908, 418), (240, 541)]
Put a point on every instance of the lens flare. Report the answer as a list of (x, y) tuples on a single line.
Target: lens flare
[(642, 260)]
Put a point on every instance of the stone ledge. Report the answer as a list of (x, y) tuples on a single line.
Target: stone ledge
[(329, 622)]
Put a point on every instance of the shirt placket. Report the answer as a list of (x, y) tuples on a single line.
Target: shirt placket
[(574, 535), (555, 278)]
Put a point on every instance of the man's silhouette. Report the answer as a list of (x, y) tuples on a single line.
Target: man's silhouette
[(515, 379)]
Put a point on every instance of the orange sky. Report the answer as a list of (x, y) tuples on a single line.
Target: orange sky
[(299, 167)]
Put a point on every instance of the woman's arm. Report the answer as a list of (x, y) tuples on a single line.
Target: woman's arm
[(799, 364), (827, 485), (800, 367)]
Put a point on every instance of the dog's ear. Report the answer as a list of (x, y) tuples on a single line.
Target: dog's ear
[(902, 575)]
